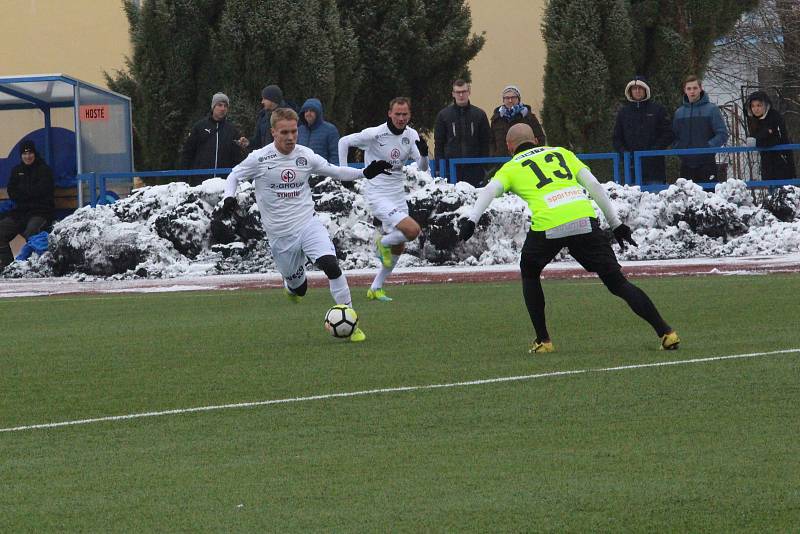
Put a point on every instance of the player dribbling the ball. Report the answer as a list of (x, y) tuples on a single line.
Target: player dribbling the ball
[(280, 174)]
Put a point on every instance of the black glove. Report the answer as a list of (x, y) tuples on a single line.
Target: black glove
[(422, 146), (375, 168), (465, 229), (229, 206), (623, 233)]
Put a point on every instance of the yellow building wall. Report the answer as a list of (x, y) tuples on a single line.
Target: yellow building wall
[(82, 38), (86, 37), (514, 53)]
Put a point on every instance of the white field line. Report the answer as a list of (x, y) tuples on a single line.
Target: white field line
[(400, 389)]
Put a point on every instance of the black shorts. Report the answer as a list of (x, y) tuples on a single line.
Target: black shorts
[(592, 251)]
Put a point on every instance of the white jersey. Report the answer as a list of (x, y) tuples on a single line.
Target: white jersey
[(379, 143), (281, 182)]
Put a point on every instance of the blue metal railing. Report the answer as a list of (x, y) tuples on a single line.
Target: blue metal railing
[(451, 175), (638, 155), (447, 169)]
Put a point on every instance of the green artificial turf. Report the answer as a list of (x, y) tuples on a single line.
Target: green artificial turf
[(694, 447)]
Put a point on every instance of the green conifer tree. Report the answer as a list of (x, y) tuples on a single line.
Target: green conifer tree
[(588, 65), (596, 46), (409, 48), (674, 38), (300, 46), (170, 40)]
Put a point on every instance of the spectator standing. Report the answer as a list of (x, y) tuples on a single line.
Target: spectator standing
[(214, 141), (511, 112), (31, 187), (316, 133), (698, 124), (767, 128), (643, 125), (271, 99), (462, 131)]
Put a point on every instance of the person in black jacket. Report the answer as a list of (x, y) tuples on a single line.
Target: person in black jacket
[(31, 188), (213, 142), (271, 99), (462, 131), (643, 125), (767, 128)]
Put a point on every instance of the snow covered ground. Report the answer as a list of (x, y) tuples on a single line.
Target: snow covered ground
[(174, 233)]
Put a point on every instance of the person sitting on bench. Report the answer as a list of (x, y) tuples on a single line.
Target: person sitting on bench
[(31, 187)]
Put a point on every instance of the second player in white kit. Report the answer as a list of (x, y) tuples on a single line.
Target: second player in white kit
[(280, 173), (395, 142)]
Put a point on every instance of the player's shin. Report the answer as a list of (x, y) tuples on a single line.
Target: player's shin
[(534, 301), (340, 290)]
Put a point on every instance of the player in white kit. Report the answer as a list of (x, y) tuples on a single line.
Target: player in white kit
[(395, 142), (280, 174)]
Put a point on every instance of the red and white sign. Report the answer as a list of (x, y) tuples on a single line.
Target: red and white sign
[(92, 113)]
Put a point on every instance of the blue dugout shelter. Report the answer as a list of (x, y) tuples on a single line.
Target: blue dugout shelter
[(81, 128)]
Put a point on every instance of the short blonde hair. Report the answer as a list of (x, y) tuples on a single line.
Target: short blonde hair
[(282, 114)]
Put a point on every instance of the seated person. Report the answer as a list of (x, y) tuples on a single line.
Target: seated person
[(31, 187)]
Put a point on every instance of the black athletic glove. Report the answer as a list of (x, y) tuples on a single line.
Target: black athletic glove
[(623, 233), (229, 206), (375, 168), (465, 229), (422, 146)]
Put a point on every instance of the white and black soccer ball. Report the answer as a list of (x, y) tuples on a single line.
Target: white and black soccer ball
[(341, 320)]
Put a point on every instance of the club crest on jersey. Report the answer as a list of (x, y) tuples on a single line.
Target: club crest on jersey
[(395, 153), (406, 141), (301, 162), (288, 175)]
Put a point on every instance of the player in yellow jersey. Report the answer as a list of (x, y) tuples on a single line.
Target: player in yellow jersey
[(554, 183)]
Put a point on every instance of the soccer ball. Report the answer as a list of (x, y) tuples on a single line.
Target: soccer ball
[(341, 320)]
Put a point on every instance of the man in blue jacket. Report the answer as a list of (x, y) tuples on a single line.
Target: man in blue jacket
[(316, 133), (698, 124)]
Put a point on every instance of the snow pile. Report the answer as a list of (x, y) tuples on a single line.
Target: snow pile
[(177, 230)]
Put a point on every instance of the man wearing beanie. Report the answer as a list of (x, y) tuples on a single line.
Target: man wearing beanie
[(30, 186), (214, 142), (271, 99), (643, 125), (511, 112)]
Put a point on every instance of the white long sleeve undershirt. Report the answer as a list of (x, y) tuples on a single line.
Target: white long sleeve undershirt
[(585, 177)]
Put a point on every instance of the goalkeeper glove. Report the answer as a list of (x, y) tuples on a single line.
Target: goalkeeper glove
[(375, 168), (623, 233), (422, 146), (229, 206), (465, 229)]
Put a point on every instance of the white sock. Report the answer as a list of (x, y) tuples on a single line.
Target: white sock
[(383, 274), (340, 290), (395, 237)]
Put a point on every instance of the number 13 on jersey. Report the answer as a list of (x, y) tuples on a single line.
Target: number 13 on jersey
[(548, 174)]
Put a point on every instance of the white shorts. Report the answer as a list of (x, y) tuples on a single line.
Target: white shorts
[(291, 252), (389, 212)]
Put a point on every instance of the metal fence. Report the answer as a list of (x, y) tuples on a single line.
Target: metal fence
[(96, 184)]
